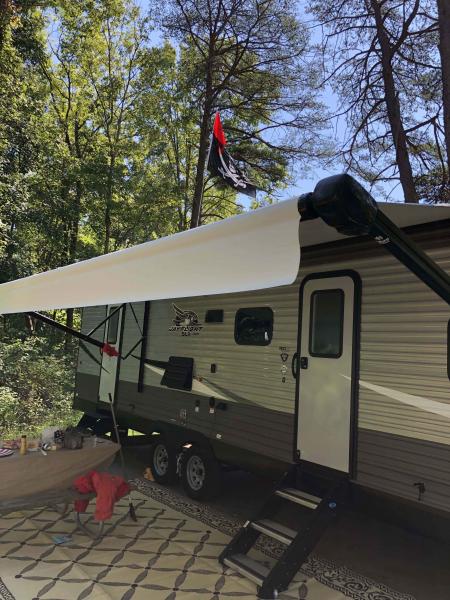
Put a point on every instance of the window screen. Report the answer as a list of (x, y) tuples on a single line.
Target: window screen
[(326, 323), (253, 326), (113, 325)]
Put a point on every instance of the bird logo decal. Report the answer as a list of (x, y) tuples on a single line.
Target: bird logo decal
[(185, 321), (184, 317)]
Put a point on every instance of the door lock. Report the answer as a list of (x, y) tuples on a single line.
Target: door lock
[(303, 362)]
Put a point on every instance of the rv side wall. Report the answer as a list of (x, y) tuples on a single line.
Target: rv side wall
[(404, 391), (403, 434)]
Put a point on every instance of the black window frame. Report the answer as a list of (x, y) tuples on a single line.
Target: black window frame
[(247, 308), (341, 322), (116, 317)]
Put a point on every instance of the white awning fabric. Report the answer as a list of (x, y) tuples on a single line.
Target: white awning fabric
[(255, 250)]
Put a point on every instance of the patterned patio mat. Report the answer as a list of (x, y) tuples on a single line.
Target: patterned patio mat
[(169, 554)]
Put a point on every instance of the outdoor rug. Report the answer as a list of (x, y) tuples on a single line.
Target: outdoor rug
[(169, 554)]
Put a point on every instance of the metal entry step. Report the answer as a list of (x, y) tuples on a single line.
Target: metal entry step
[(246, 566), (299, 497), (279, 532)]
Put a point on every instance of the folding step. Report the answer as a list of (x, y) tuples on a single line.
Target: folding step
[(299, 497), (298, 542), (246, 566), (279, 532)]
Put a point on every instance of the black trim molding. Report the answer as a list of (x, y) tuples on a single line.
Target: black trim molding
[(145, 329)]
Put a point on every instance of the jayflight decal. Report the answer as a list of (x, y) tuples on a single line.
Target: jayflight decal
[(185, 321)]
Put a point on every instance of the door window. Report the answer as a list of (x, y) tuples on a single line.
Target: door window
[(327, 321), (113, 325)]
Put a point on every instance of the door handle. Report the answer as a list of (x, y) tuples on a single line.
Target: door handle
[(303, 362), (294, 365)]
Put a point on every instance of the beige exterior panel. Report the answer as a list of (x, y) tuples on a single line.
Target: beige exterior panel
[(243, 373), (403, 337)]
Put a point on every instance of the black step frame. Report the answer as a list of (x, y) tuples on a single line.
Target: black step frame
[(295, 554)]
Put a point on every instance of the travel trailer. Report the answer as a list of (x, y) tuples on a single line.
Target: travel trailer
[(341, 367)]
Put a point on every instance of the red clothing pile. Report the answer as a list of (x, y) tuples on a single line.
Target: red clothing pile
[(108, 488)]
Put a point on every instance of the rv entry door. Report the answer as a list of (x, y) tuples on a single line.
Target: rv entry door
[(325, 363), (108, 372)]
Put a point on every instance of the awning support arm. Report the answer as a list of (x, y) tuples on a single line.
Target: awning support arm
[(61, 327), (82, 336), (385, 232), (341, 202)]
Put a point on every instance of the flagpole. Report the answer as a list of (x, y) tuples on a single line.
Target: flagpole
[(203, 180), (209, 152), (221, 164)]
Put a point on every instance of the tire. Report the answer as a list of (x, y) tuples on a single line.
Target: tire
[(163, 462), (200, 474)]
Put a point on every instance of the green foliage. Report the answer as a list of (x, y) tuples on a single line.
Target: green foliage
[(36, 384), (100, 127), (9, 409)]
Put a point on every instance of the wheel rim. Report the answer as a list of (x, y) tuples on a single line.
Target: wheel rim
[(195, 473), (161, 460)]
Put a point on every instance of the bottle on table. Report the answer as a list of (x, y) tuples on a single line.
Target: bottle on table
[(23, 444)]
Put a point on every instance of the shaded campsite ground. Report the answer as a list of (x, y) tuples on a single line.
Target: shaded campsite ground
[(404, 561)]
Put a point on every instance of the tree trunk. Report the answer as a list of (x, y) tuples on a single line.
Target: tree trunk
[(74, 229), (74, 226), (444, 49), (29, 324), (109, 194), (393, 109), (204, 138)]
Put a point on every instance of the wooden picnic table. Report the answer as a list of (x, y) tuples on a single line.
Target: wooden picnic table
[(34, 480), (34, 473)]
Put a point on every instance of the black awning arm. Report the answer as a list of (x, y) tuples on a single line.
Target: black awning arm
[(85, 337), (70, 330), (346, 206)]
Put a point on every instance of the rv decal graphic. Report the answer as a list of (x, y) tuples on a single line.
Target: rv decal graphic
[(185, 321), (284, 355), (433, 406)]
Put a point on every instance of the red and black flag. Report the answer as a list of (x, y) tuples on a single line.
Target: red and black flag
[(221, 164)]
